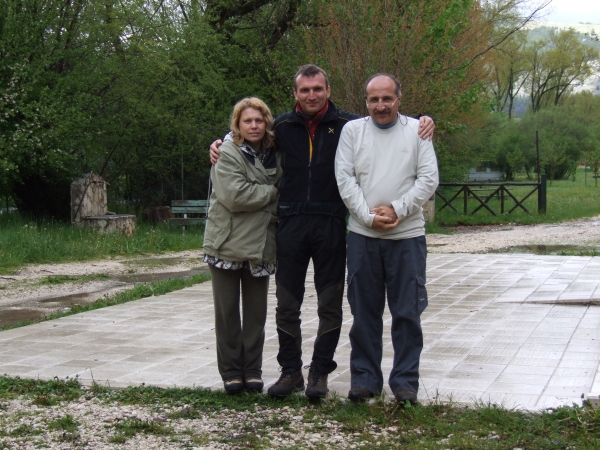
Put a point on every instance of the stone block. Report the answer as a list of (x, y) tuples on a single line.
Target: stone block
[(112, 223)]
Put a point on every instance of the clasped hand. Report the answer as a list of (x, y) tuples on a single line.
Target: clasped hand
[(385, 218)]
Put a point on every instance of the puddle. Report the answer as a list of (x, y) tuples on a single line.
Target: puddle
[(74, 299), (151, 277), (157, 262), (12, 316), (49, 305), (571, 250)]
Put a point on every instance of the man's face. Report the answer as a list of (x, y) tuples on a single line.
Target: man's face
[(382, 100), (311, 93)]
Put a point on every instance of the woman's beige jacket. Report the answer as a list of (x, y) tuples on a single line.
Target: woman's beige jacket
[(242, 218)]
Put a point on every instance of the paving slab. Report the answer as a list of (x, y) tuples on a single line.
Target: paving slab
[(518, 330)]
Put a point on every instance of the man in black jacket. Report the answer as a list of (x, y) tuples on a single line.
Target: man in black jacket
[(312, 225)]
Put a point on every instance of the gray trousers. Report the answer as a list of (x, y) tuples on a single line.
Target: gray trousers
[(377, 267), (240, 340)]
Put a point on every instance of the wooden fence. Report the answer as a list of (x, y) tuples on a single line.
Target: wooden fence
[(484, 192)]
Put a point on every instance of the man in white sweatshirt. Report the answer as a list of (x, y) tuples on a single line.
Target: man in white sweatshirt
[(385, 173)]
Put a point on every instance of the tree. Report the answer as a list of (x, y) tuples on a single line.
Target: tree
[(591, 159), (555, 65), (508, 65), (438, 49), (431, 45)]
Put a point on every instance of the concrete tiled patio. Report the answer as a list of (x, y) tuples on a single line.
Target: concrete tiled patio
[(511, 329)]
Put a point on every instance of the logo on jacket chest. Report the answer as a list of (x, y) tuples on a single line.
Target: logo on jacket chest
[(331, 131)]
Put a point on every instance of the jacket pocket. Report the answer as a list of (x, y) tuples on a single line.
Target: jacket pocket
[(218, 225), (422, 300), (222, 235)]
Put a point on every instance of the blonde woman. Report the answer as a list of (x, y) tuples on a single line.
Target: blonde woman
[(239, 244)]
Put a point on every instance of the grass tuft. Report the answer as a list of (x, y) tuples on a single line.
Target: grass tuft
[(66, 423), (54, 390), (63, 279), (128, 428)]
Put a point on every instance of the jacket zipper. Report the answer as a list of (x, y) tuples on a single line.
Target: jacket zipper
[(310, 143)]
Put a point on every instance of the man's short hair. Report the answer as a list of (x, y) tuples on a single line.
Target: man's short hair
[(309, 71), (389, 75)]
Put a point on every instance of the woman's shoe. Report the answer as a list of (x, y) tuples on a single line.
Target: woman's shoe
[(253, 384), (233, 386)]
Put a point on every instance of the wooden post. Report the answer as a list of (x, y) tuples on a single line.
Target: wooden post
[(542, 195), (537, 151)]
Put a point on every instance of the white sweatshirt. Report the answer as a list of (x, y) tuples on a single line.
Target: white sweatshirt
[(385, 167)]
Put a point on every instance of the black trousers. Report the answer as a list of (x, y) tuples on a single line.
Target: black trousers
[(301, 238), (380, 268)]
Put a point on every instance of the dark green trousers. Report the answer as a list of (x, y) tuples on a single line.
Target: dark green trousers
[(240, 334)]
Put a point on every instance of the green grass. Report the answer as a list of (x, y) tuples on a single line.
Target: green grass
[(62, 279), (566, 200), (27, 242), (68, 426), (435, 426), (135, 293), (128, 428), (66, 423), (44, 393)]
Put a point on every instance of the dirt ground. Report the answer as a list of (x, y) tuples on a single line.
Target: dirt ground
[(573, 237), (26, 295)]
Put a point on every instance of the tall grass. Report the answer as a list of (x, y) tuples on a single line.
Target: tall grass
[(32, 242), (566, 200)]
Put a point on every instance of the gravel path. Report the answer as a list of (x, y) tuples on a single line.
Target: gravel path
[(580, 233), (99, 425)]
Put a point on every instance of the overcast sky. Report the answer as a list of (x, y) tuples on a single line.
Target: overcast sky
[(573, 11)]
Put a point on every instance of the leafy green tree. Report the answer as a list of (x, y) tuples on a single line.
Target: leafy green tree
[(132, 91), (555, 65), (509, 71)]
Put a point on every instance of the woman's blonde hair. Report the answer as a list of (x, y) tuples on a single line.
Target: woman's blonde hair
[(258, 104)]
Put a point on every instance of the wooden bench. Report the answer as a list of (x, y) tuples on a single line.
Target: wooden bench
[(182, 208)]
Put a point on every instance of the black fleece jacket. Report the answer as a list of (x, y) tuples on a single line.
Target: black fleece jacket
[(308, 184)]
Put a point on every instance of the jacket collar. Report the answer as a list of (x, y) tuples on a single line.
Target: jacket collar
[(330, 113)]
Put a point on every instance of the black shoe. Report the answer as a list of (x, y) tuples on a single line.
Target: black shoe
[(253, 384), (317, 384), (405, 398), (358, 394), (233, 386), (291, 380)]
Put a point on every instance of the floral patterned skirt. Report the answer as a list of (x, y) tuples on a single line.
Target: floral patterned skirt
[(260, 270)]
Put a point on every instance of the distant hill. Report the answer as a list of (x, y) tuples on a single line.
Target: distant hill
[(588, 32), (582, 28)]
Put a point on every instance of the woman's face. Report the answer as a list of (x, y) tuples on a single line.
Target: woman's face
[(252, 126)]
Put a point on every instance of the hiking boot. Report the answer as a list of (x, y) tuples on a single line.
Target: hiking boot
[(233, 386), (404, 398), (291, 380), (253, 384), (317, 384), (358, 394)]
